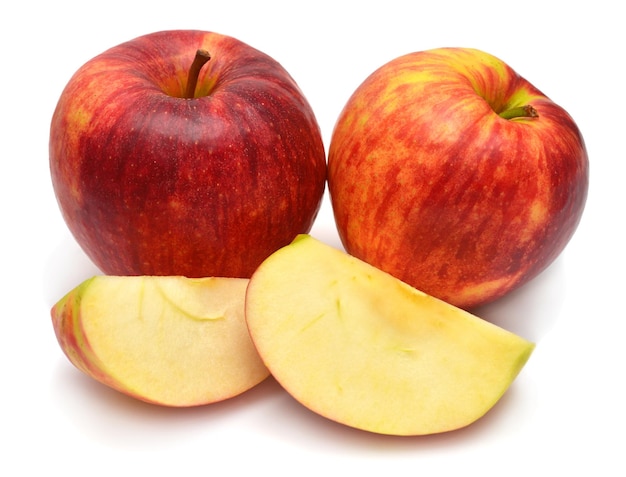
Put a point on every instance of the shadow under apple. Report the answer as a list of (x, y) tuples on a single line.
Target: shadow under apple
[(533, 309), (66, 267), (113, 419)]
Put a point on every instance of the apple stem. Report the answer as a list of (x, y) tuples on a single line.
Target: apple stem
[(526, 111), (202, 56)]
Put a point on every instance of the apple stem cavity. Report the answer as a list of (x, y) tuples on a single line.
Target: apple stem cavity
[(526, 111), (201, 58)]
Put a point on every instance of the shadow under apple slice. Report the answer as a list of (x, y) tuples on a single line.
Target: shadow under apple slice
[(533, 309), (111, 418)]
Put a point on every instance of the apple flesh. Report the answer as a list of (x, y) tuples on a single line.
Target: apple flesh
[(155, 178), (456, 175), (360, 347), (172, 341)]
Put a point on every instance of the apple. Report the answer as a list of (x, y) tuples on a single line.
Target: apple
[(167, 340), (185, 153), (362, 348), (456, 175)]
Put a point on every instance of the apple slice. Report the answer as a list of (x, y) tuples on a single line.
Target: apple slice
[(358, 346), (172, 341)]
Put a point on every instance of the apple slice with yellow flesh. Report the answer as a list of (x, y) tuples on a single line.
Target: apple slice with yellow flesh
[(359, 347), (166, 340)]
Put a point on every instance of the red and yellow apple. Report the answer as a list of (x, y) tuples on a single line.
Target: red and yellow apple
[(172, 341), (453, 173), (163, 166)]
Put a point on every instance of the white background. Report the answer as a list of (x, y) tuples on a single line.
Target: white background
[(564, 413)]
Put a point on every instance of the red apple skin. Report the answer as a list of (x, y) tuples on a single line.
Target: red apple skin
[(430, 184), (66, 321), (152, 183)]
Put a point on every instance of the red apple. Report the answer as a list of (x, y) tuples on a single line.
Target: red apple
[(164, 168), (456, 175)]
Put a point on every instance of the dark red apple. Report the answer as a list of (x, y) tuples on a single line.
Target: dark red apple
[(157, 175)]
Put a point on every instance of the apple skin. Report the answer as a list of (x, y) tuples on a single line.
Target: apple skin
[(152, 183), (430, 184)]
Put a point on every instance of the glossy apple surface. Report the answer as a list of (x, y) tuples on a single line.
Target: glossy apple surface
[(358, 346), (153, 182), (453, 173), (172, 341)]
